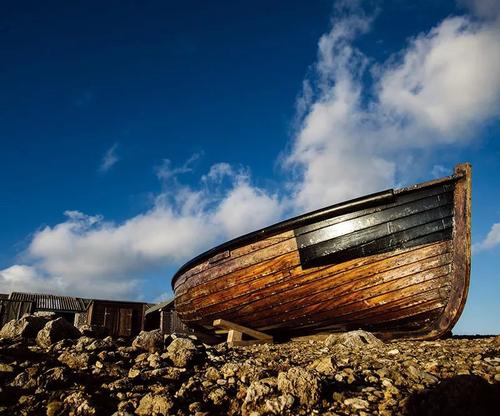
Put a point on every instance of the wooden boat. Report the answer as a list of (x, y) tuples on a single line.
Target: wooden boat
[(396, 263)]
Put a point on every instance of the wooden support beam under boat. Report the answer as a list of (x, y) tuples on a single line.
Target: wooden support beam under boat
[(235, 334)]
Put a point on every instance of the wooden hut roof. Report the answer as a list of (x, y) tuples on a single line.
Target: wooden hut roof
[(159, 306), (54, 303)]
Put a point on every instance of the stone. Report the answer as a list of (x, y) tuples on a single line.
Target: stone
[(255, 396), (55, 408), (217, 396), (323, 366), (93, 331), (152, 404), (212, 373), (134, 372), (56, 330), (74, 361), (278, 405), (27, 379), (301, 384), (6, 368), (101, 344), (55, 378), (83, 343), (182, 352), (26, 327), (165, 373), (151, 341), (230, 369), (354, 339), (79, 403), (356, 403)]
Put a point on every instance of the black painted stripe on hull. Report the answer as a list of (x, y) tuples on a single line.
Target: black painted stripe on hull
[(386, 216), (424, 227), (403, 199)]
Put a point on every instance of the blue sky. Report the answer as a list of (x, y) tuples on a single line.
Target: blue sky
[(136, 134)]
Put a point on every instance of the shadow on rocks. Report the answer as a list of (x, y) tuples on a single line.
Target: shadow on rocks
[(458, 396)]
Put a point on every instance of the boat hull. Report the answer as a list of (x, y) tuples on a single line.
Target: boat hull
[(396, 263)]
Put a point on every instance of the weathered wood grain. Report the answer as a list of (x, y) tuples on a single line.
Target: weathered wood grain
[(302, 286), (399, 265)]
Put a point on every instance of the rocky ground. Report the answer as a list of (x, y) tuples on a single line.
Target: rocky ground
[(48, 367)]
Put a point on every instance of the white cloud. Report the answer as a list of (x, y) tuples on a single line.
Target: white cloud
[(87, 256), (109, 159), (492, 240), (21, 277), (247, 208), (217, 172), (356, 137), (448, 82)]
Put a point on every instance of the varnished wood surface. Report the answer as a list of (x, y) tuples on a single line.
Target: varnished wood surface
[(409, 290)]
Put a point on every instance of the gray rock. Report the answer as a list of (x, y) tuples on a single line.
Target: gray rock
[(101, 344), (93, 331), (301, 384), (217, 396), (356, 403), (55, 408), (354, 339), (6, 368), (278, 405), (79, 403), (75, 360), (26, 327), (57, 377), (56, 330), (27, 379), (83, 343), (151, 341), (323, 366), (182, 352), (154, 404), (256, 395)]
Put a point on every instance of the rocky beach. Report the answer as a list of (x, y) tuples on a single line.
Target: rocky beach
[(49, 367)]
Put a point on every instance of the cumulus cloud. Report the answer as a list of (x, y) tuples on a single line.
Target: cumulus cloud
[(109, 159), (88, 256), (492, 240), (356, 137), (447, 83)]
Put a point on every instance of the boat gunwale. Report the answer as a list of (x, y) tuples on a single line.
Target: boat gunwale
[(309, 218)]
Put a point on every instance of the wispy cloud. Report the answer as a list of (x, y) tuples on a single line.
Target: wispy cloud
[(109, 159), (491, 241)]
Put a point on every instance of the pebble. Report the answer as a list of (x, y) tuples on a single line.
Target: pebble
[(294, 378)]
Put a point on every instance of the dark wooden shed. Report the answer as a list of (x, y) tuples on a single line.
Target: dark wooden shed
[(121, 318), (163, 316)]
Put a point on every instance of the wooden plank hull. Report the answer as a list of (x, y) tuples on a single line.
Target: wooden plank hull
[(396, 263)]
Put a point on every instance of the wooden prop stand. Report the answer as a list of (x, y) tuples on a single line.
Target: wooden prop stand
[(235, 334)]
